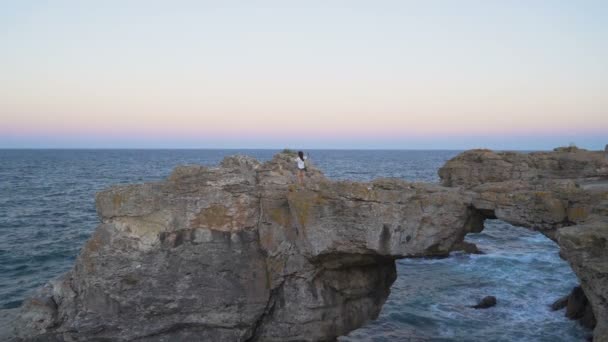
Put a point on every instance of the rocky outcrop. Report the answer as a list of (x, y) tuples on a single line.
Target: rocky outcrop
[(563, 194), (240, 253), (477, 167), (577, 307)]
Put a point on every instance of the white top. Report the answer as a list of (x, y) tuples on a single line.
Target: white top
[(300, 162)]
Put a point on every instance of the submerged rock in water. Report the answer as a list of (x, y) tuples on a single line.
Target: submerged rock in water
[(577, 307), (466, 247), (577, 302), (240, 253), (560, 303), (485, 302)]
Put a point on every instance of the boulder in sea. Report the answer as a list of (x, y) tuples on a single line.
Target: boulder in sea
[(560, 303), (485, 302), (467, 248), (579, 308), (577, 302)]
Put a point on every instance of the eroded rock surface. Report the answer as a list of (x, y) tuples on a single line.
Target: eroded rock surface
[(240, 253), (563, 194)]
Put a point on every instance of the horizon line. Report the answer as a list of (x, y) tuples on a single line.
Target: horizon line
[(266, 149)]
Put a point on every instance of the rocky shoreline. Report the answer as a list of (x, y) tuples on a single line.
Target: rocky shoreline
[(240, 253), (563, 194)]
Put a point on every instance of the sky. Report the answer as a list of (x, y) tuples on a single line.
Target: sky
[(303, 74)]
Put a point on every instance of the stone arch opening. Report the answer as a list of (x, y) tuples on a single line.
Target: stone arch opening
[(431, 297)]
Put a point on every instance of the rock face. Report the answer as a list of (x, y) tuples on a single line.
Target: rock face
[(563, 194), (585, 247), (577, 307), (240, 253)]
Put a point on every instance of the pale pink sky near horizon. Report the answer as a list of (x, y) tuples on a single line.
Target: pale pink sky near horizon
[(387, 74)]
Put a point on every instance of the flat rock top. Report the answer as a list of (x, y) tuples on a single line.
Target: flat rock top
[(476, 167)]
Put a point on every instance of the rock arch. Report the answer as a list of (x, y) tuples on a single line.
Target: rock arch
[(240, 253), (563, 194)]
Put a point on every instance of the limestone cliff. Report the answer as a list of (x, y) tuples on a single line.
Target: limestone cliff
[(563, 194), (240, 253)]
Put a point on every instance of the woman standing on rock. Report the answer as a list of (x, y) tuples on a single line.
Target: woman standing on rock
[(301, 162)]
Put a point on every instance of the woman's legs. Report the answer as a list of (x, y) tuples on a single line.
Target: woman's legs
[(300, 176)]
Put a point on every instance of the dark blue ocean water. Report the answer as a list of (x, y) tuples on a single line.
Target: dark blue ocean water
[(47, 212)]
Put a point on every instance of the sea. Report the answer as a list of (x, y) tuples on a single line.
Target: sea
[(47, 212)]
